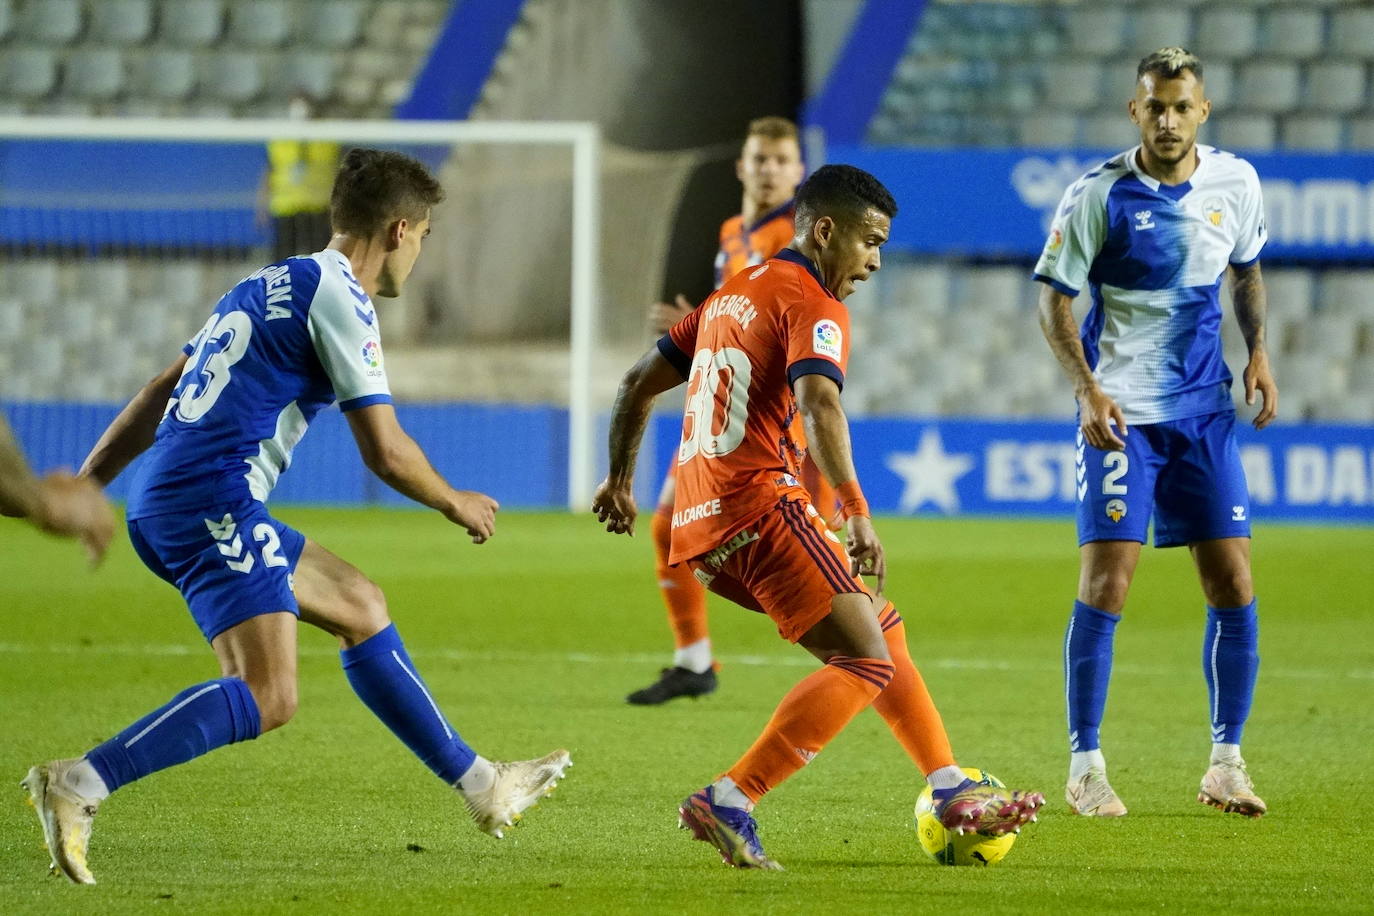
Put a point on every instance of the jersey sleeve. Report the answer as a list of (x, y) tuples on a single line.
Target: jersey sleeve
[(680, 343), (817, 333), (344, 331), (1076, 236), (1251, 231)]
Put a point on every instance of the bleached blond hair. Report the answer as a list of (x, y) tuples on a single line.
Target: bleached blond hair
[(1169, 63)]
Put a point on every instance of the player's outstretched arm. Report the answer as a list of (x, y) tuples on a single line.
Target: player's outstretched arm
[(1247, 293), (614, 502), (399, 461), (130, 433), (1096, 410), (58, 503), (827, 436)]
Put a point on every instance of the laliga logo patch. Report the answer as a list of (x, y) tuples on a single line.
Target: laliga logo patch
[(758, 273), (1056, 239), (1212, 210), (1116, 510), (826, 339), (372, 354)]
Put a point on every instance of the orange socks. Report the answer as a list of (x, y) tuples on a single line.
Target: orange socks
[(811, 714), (906, 705), (682, 593)]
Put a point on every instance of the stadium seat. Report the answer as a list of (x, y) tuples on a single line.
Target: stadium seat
[(165, 73), (230, 77), (1112, 131), (104, 279), (1077, 83), (190, 23), (1096, 30), (27, 72), (1219, 79), (334, 23), (181, 282), (77, 321), (259, 23), (1051, 129), (1267, 86), (1361, 133), (1336, 86), (13, 320), (94, 73), (1289, 291), (1296, 32), (990, 290), (35, 280), (6, 18), (1331, 334), (924, 287), (1225, 31), (1155, 27), (121, 22), (1348, 292), (1245, 133), (1320, 133), (1352, 31), (51, 22)]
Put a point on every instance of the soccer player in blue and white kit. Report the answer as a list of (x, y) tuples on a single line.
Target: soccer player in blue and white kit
[(218, 427), (1151, 233)]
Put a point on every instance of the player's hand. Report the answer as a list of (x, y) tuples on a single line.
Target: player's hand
[(866, 551), (1258, 377), (475, 513), (73, 507), (663, 315), (615, 505), (1097, 412)]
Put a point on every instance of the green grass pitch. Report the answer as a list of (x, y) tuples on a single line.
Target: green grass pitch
[(531, 641)]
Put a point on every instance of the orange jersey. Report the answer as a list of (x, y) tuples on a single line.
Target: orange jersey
[(741, 247), (740, 352)]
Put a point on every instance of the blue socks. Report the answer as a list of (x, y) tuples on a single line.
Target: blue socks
[(194, 722), (384, 678), (1087, 669), (1230, 661)]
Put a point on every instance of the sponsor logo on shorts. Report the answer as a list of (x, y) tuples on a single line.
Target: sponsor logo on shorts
[(696, 513), (722, 553), (704, 577), (1116, 510), (827, 339), (1237, 513)]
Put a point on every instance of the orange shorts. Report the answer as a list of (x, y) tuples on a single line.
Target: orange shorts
[(786, 564)]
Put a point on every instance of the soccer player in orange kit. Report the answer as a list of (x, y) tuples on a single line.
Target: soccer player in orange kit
[(772, 343)]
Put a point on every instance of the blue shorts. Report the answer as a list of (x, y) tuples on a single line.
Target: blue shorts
[(1187, 473), (230, 563)]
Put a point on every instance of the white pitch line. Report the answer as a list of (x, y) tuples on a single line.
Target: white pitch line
[(795, 660)]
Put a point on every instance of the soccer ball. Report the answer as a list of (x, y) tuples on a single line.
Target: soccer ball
[(947, 848)]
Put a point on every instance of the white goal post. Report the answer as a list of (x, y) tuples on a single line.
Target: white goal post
[(582, 138)]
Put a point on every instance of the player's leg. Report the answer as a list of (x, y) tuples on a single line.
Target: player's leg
[(336, 597), (693, 672)]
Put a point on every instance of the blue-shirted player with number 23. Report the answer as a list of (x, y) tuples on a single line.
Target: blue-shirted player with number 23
[(1152, 232), (218, 427)]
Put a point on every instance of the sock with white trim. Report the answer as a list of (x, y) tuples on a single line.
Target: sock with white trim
[(1230, 662), (194, 722), (385, 679), (1087, 671)]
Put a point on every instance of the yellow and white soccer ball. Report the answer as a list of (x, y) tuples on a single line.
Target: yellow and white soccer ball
[(947, 848)]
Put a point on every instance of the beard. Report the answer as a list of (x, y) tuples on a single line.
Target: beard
[(1182, 152)]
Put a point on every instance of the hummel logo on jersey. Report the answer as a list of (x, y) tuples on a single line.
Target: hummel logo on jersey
[(365, 317), (237, 557), (1142, 219), (1237, 513)]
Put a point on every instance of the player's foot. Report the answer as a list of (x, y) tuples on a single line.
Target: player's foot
[(519, 784), (672, 683), (972, 807), (1091, 796), (65, 816), (731, 830), (1227, 786)]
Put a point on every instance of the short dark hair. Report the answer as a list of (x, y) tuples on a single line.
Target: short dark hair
[(841, 190), (374, 187), (1169, 63)]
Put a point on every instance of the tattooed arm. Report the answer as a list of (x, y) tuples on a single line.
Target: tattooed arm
[(1247, 293), (1096, 409)]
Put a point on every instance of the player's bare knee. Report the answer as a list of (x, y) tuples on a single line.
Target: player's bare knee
[(1105, 589), (368, 611), (1230, 589), (276, 699)]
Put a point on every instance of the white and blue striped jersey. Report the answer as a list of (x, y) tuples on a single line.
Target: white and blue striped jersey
[(1154, 257), (280, 346)]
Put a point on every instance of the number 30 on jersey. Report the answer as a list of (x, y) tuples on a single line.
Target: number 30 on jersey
[(717, 404)]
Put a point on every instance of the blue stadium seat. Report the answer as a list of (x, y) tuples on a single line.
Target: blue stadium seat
[(1297, 32), (1225, 31), (259, 23), (94, 73), (28, 72), (51, 22), (1335, 86), (190, 23), (122, 22)]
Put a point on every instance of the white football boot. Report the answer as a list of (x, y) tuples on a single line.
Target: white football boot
[(1091, 795), (65, 817), (1227, 786), (518, 785)]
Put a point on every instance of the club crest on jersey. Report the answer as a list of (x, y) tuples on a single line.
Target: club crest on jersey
[(1142, 219), (372, 354), (827, 339), (1116, 510), (1212, 210), (759, 273)]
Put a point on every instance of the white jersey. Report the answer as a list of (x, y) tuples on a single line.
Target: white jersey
[(1153, 257)]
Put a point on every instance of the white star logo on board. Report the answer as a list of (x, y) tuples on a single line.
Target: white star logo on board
[(929, 473)]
